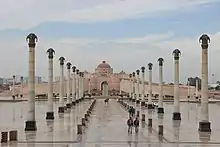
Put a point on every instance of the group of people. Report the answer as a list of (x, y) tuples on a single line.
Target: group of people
[(132, 123)]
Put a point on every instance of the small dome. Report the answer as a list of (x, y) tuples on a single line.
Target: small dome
[(103, 65)]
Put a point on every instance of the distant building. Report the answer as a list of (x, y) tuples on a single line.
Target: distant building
[(1, 81), (38, 80)]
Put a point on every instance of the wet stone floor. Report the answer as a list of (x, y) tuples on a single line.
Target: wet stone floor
[(107, 127)]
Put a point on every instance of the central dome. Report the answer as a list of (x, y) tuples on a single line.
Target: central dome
[(103, 65)]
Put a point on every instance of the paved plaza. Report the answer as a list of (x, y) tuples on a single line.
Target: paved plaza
[(107, 126)]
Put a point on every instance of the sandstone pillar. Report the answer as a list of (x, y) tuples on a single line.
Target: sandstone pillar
[(143, 86), (50, 113), (204, 124), (130, 86), (89, 87), (30, 124), (77, 84), (82, 85), (69, 104), (120, 93), (188, 90), (22, 86), (176, 113), (138, 87), (160, 103), (133, 85), (150, 104), (61, 95), (13, 87), (197, 87), (74, 84)]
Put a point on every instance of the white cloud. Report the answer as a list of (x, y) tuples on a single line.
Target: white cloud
[(129, 54), (28, 13)]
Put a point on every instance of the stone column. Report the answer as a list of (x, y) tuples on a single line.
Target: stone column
[(150, 104), (188, 90), (176, 113), (89, 87), (77, 85), (50, 113), (138, 87), (69, 104), (22, 86), (197, 87), (130, 86), (133, 85), (30, 124), (61, 95), (74, 85), (160, 103), (13, 87), (143, 86), (204, 124), (82, 85), (120, 93)]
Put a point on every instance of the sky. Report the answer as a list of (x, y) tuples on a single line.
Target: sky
[(127, 34)]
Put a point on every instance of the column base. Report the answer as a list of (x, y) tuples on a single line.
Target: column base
[(133, 100), (150, 106), (149, 122), (60, 109), (160, 110), (137, 101), (204, 126), (68, 105), (21, 95), (176, 116), (30, 126), (50, 115), (160, 130), (142, 103)]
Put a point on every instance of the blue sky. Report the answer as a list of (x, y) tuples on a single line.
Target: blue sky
[(128, 34)]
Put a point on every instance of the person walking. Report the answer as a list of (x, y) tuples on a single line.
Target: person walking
[(130, 125), (136, 124)]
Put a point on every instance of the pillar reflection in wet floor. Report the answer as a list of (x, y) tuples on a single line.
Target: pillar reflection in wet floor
[(176, 131), (61, 124), (50, 132), (30, 136)]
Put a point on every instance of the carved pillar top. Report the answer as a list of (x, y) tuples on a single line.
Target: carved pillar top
[(51, 53), (160, 60), (204, 40), (68, 65), (31, 39), (176, 54), (61, 59)]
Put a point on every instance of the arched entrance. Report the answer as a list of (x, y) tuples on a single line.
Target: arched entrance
[(104, 88)]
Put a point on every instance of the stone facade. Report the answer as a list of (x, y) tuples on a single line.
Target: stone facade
[(104, 73)]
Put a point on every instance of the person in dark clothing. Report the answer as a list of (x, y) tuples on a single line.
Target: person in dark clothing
[(130, 125), (130, 111), (136, 124), (133, 112)]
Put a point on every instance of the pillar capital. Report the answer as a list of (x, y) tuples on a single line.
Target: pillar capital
[(204, 40), (50, 53), (150, 65), (61, 59), (13, 76), (22, 78), (77, 71), (138, 72), (142, 69), (68, 65), (133, 74), (31, 39), (160, 60), (176, 53), (74, 68)]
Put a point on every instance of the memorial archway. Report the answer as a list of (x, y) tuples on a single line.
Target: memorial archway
[(104, 88)]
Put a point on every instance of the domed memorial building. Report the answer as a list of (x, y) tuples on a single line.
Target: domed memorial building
[(104, 74)]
